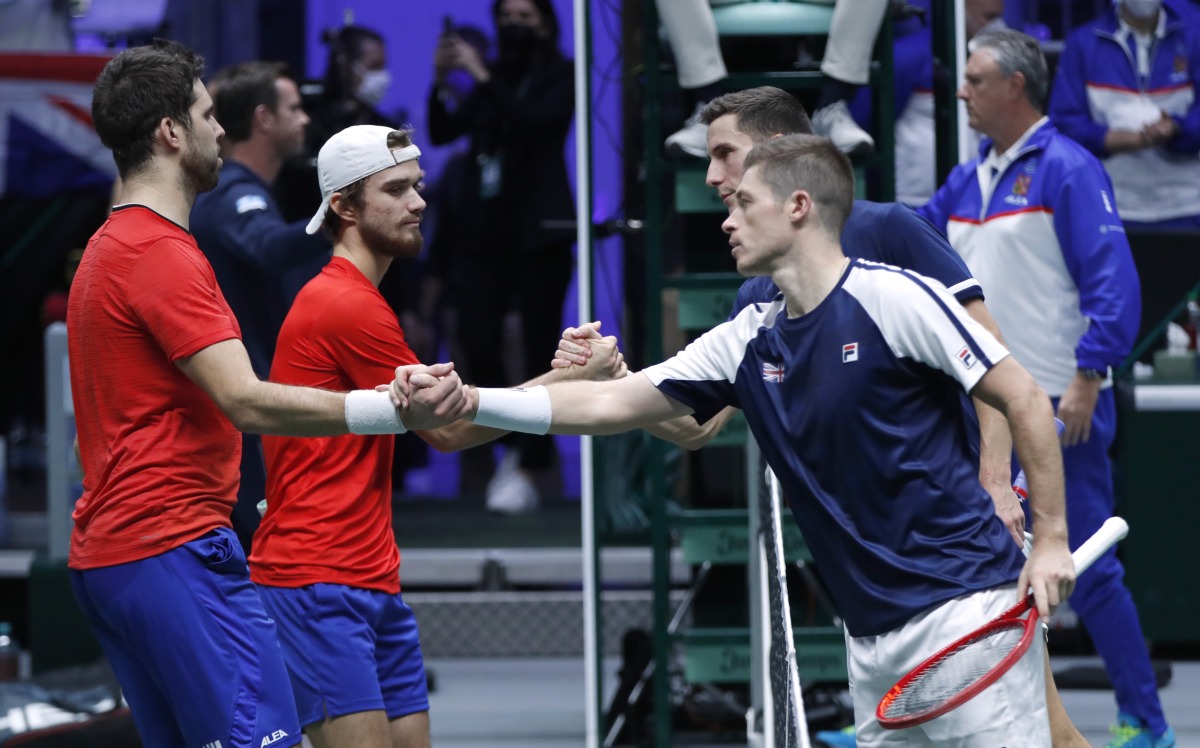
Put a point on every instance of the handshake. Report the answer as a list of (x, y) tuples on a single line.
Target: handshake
[(428, 397)]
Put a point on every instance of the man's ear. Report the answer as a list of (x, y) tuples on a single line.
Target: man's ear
[(264, 118), (1018, 84), (170, 133), (338, 204), (799, 205)]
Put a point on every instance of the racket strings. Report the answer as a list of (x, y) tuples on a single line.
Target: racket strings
[(955, 671)]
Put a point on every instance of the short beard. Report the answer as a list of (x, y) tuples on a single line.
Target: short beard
[(200, 175), (388, 244)]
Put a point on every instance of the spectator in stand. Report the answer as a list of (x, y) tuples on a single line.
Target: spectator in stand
[(846, 66), (699, 66), (518, 213), (1033, 218), (1126, 90)]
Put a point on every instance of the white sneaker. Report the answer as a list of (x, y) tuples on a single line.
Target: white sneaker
[(834, 122), (691, 139), (511, 490)]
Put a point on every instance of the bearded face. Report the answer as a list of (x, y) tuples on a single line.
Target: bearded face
[(390, 218), (201, 164), (390, 235)]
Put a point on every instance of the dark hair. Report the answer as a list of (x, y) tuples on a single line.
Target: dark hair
[(762, 112), (549, 17), (240, 89), (810, 163), (1017, 52), (345, 48), (138, 89), (352, 193)]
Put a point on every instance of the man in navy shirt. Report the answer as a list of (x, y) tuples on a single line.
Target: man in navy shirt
[(884, 232), (260, 261), (849, 381)]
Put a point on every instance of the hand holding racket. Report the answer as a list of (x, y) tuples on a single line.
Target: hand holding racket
[(961, 670)]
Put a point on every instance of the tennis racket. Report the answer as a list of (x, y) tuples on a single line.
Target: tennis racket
[(961, 670)]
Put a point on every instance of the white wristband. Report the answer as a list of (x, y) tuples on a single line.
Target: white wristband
[(525, 410), (371, 412)]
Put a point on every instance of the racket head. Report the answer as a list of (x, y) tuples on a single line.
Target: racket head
[(959, 671)]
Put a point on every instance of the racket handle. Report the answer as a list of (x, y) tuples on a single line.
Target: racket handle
[(1113, 529)]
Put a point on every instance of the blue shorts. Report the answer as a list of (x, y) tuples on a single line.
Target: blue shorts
[(348, 650), (192, 647)]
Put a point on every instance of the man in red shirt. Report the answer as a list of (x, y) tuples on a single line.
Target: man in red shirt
[(325, 555), (162, 384)]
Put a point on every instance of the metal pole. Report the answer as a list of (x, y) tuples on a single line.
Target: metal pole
[(583, 263), (60, 454)]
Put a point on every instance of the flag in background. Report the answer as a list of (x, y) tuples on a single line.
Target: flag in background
[(48, 144)]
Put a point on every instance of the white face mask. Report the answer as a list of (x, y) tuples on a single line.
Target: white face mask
[(374, 85), (1142, 9)]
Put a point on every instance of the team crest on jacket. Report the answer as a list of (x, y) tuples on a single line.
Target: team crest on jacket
[(849, 352), (772, 372), (1021, 185)]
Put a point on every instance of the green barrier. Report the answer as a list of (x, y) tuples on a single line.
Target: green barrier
[(1157, 477), (724, 656), (722, 536)]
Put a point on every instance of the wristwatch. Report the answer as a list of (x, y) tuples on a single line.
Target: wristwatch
[(1092, 375)]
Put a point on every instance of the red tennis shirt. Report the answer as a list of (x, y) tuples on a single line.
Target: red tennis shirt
[(160, 460), (329, 499)]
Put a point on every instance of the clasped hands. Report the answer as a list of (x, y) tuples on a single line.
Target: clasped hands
[(433, 396)]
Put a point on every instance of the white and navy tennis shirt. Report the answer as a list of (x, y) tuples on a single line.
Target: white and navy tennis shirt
[(857, 408)]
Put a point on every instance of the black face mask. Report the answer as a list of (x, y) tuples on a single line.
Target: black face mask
[(516, 39)]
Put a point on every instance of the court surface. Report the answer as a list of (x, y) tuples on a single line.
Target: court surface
[(538, 703)]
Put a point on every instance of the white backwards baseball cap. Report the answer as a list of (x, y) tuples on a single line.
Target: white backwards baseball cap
[(353, 154)]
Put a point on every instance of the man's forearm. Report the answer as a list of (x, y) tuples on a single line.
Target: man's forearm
[(1036, 441), (995, 448), (284, 410), (687, 433), (576, 408), (465, 434), (995, 438)]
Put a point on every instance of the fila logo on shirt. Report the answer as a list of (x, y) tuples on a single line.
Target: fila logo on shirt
[(965, 357), (849, 352), (773, 373)]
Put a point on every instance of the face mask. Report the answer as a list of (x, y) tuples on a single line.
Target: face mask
[(516, 38), (374, 85), (1142, 9)]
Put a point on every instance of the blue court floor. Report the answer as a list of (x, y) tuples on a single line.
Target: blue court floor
[(538, 703)]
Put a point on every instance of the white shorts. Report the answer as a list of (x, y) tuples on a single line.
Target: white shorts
[(1010, 713)]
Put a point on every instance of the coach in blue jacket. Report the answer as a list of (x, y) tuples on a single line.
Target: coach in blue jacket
[(1126, 91), (260, 261), (1035, 220)]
